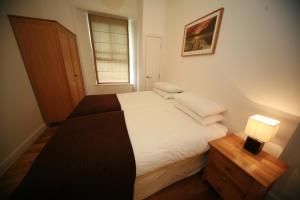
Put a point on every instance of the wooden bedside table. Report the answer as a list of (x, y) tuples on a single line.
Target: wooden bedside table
[(237, 174)]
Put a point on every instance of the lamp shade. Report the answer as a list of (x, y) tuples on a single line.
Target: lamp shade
[(261, 127)]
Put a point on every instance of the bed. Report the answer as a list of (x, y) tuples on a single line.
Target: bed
[(168, 145)]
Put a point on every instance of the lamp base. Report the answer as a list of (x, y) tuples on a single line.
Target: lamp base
[(253, 146)]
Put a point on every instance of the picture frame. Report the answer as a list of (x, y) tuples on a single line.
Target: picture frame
[(200, 36)]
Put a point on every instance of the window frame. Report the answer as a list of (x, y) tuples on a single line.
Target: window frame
[(95, 59)]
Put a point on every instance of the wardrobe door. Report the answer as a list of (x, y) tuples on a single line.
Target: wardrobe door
[(39, 46), (68, 63), (76, 66)]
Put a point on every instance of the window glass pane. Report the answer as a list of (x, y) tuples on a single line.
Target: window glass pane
[(110, 44)]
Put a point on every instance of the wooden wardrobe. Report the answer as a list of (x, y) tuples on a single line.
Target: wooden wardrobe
[(51, 58)]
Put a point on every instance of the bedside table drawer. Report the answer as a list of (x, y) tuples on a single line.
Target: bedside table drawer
[(239, 177), (223, 185)]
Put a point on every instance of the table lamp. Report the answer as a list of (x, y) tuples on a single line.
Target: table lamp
[(260, 129)]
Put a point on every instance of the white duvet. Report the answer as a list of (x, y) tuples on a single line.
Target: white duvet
[(161, 134)]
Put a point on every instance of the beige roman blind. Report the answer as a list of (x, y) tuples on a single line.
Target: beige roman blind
[(111, 51)]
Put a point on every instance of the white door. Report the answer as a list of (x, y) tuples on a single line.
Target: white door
[(153, 53)]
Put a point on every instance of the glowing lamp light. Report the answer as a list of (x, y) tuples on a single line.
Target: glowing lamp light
[(259, 129)]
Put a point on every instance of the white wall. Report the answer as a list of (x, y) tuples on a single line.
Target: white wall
[(255, 68), (114, 7), (20, 118), (154, 17), (287, 187)]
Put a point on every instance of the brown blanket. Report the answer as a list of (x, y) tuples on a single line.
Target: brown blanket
[(93, 104), (90, 157)]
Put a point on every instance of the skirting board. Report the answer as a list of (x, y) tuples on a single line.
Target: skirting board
[(11, 158)]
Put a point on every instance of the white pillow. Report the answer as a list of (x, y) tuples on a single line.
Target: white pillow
[(167, 87), (202, 120), (163, 94), (200, 105)]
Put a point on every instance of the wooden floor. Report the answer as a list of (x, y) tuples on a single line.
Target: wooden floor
[(191, 188), (10, 180)]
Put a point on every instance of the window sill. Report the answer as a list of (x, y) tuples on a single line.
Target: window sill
[(113, 84)]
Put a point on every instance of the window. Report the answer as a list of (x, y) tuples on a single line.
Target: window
[(110, 46)]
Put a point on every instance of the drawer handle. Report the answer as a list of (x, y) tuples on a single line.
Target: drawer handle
[(223, 178)]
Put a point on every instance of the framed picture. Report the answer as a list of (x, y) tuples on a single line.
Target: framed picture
[(200, 36)]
